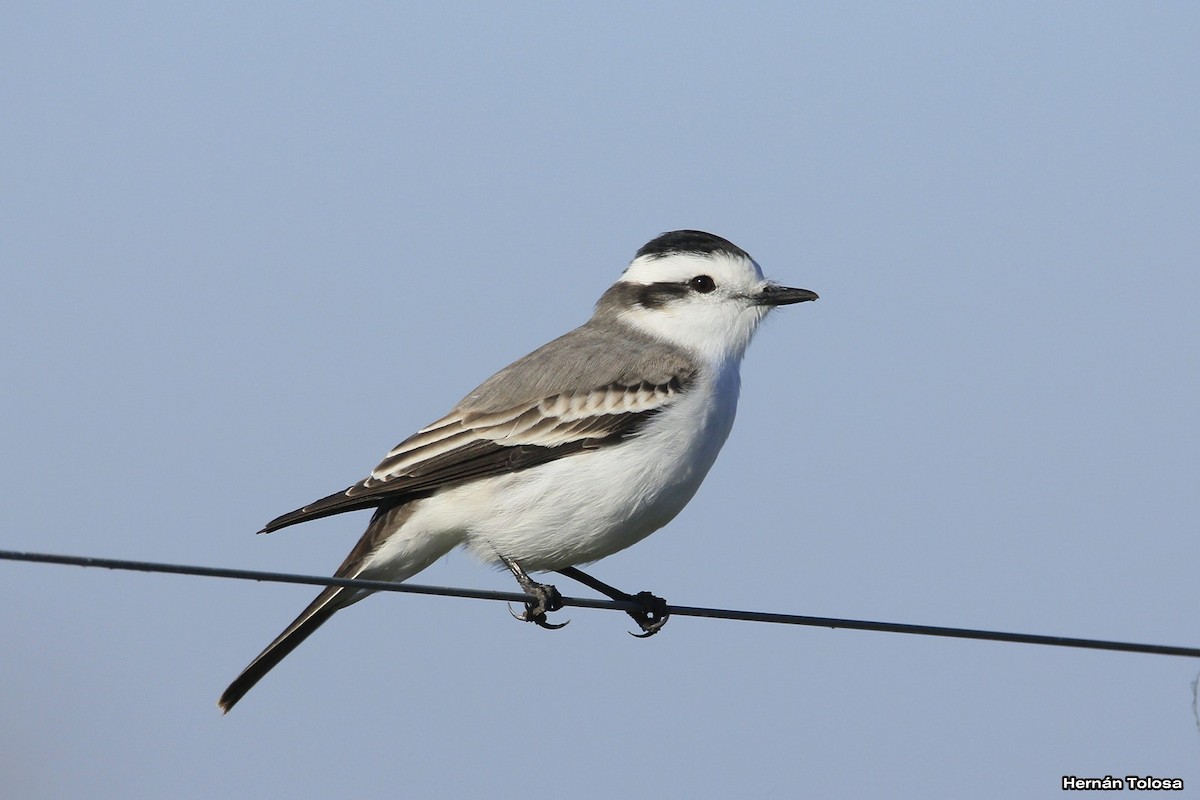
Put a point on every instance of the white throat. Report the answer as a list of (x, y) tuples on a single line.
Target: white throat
[(715, 327)]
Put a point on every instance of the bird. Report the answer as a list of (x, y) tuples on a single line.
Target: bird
[(578, 450)]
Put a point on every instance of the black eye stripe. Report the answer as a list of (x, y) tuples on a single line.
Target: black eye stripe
[(656, 295)]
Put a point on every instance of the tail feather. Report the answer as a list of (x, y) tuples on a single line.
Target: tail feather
[(338, 503), (318, 611), (384, 523)]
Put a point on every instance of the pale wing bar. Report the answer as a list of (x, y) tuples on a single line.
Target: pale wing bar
[(472, 445)]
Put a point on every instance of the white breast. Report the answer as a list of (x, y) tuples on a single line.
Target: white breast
[(584, 507)]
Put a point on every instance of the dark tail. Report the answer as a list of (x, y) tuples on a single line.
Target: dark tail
[(338, 503), (321, 609)]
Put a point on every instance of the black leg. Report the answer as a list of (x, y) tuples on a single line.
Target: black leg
[(542, 598), (652, 615)]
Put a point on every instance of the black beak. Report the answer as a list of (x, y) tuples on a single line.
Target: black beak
[(775, 295)]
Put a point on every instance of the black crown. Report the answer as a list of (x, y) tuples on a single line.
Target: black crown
[(689, 242)]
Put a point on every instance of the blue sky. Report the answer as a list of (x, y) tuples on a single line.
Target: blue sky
[(249, 247)]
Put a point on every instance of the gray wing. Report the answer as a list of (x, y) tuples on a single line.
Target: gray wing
[(591, 388)]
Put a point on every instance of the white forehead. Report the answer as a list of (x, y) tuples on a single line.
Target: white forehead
[(726, 269)]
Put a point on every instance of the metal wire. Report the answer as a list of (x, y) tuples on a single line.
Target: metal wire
[(612, 605)]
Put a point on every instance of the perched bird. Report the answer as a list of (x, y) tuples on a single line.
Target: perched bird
[(576, 451)]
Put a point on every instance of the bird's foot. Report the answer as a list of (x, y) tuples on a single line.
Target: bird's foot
[(652, 615), (543, 599)]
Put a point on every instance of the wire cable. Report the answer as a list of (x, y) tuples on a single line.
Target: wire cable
[(612, 605)]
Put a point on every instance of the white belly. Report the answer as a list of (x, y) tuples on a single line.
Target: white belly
[(587, 506)]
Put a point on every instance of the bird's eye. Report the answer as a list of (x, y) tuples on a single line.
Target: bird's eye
[(702, 284)]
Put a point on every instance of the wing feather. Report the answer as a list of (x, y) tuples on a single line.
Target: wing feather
[(469, 444)]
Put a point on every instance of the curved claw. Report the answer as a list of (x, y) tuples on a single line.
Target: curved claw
[(652, 616), (542, 597), (648, 628), (537, 618)]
